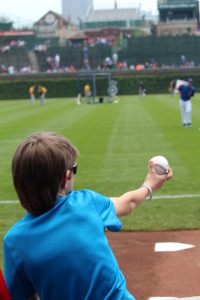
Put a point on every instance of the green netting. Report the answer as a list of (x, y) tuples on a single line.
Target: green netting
[(5, 26), (164, 49)]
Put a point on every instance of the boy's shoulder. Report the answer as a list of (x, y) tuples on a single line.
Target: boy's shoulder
[(15, 230)]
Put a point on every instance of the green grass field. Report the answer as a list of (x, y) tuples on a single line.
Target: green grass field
[(115, 143)]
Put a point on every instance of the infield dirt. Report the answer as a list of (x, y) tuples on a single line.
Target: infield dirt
[(158, 274)]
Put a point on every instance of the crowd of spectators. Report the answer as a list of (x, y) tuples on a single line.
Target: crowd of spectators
[(40, 48), (12, 44), (121, 65), (13, 70), (92, 42), (53, 63)]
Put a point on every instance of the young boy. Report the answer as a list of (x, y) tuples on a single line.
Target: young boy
[(59, 249)]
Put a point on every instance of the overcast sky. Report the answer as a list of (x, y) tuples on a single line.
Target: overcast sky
[(29, 11)]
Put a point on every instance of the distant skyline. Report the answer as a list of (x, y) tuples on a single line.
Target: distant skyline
[(25, 13)]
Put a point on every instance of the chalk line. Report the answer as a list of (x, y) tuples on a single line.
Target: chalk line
[(154, 198)]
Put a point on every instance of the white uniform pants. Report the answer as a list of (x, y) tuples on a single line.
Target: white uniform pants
[(32, 100), (42, 100), (186, 111), (87, 96)]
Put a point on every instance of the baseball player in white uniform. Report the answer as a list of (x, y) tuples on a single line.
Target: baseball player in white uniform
[(186, 92)]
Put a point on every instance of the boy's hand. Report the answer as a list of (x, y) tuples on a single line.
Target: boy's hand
[(154, 180)]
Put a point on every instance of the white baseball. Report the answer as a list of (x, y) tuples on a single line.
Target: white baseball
[(161, 164)]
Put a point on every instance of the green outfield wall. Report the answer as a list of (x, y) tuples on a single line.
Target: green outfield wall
[(66, 84)]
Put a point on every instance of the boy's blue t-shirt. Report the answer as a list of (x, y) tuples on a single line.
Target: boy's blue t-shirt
[(64, 253), (186, 92)]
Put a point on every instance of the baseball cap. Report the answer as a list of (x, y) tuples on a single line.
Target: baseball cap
[(190, 79)]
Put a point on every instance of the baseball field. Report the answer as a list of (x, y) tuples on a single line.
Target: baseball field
[(116, 141)]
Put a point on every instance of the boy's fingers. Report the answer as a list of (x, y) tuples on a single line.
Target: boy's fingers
[(170, 174), (151, 164)]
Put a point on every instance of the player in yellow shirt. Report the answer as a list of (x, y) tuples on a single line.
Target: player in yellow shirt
[(32, 94), (87, 93), (42, 92)]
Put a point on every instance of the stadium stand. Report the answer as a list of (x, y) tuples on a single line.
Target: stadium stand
[(73, 56), (68, 56), (164, 50), (17, 57)]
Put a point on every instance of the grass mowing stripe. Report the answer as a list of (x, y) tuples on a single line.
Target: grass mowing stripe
[(131, 145), (36, 118), (92, 142), (122, 146)]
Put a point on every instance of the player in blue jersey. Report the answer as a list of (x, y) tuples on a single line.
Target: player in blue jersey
[(186, 92), (58, 250)]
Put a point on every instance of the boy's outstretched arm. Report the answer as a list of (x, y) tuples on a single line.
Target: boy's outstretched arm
[(126, 203)]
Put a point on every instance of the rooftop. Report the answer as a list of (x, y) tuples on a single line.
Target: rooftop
[(176, 2), (180, 4), (117, 14)]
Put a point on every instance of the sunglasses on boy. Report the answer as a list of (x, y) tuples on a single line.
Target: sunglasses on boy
[(74, 168)]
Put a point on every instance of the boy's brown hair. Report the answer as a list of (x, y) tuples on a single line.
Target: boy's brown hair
[(38, 166)]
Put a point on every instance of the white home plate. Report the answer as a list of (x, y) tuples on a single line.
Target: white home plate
[(171, 247), (174, 298), (162, 298)]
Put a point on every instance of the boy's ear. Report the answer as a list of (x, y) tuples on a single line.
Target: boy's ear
[(66, 177), (68, 174)]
